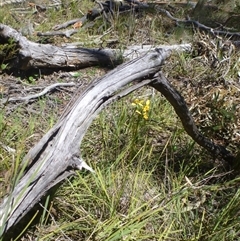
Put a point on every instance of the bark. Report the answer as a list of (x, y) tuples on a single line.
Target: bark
[(58, 154), (30, 55), (34, 55), (177, 101)]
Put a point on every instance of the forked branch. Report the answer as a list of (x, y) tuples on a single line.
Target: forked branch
[(57, 154)]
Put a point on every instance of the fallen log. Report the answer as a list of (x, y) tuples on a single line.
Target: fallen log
[(57, 155), (31, 55)]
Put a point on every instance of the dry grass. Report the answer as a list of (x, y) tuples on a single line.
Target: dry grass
[(151, 182)]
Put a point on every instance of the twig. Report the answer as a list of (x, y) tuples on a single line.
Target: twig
[(35, 96), (68, 23), (66, 33), (199, 25)]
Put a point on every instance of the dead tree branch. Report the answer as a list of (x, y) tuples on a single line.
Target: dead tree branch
[(199, 25), (35, 55), (69, 23), (177, 101), (67, 33), (30, 55), (35, 96), (57, 154)]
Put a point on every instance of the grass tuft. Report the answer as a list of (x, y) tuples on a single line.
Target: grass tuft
[(151, 181)]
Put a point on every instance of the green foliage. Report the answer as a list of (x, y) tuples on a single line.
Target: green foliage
[(151, 182), (4, 67), (7, 53), (32, 79)]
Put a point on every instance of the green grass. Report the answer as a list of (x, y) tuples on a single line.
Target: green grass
[(151, 181), (141, 190)]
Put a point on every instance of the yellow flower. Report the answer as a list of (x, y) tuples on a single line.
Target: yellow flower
[(147, 106), (145, 116), (146, 109), (137, 102), (143, 107)]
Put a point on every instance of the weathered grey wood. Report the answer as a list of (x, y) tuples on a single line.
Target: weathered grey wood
[(51, 2), (28, 98), (177, 101), (35, 55), (57, 154), (58, 151), (32, 55)]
